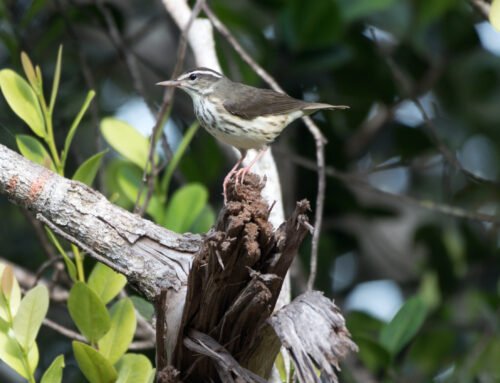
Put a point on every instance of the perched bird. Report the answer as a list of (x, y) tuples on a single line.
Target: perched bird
[(240, 115)]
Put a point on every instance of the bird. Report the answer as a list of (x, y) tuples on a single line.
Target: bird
[(240, 115)]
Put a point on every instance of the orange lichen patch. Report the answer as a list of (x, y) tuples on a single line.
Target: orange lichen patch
[(12, 184), (37, 186)]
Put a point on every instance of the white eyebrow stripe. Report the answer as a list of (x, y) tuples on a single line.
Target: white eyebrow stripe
[(205, 71)]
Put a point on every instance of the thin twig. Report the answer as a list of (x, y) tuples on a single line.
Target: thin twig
[(319, 139), (483, 7), (350, 179), (406, 86), (47, 264), (64, 330), (168, 95), (41, 234)]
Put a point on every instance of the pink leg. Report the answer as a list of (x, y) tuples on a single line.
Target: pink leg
[(230, 174), (240, 174)]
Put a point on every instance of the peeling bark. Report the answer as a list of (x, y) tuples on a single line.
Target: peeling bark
[(151, 257)]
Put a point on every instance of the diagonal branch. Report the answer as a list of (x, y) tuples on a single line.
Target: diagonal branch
[(151, 257)]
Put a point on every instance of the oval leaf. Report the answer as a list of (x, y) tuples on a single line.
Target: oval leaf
[(88, 312), (185, 206), (105, 282), (10, 353), (33, 150), (94, 366), (22, 100), (9, 302), (53, 374), (405, 324), (129, 179), (87, 171), (123, 323), (126, 140), (495, 14), (134, 368), (30, 315)]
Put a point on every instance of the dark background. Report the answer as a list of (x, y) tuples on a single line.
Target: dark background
[(387, 60)]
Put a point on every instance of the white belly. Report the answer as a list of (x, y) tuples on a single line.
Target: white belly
[(239, 132)]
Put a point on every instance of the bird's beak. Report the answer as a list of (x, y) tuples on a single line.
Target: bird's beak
[(169, 83)]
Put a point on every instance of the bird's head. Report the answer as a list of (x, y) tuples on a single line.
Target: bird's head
[(197, 82)]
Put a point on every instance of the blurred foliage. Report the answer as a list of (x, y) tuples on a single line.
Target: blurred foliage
[(378, 57)]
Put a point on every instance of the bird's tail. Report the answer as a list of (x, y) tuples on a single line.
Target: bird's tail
[(314, 106)]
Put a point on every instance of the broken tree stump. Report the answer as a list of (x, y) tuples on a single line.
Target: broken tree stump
[(233, 286)]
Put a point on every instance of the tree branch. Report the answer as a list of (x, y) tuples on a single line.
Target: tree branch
[(151, 257)]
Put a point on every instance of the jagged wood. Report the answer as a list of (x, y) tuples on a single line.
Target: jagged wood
[(236, 279)]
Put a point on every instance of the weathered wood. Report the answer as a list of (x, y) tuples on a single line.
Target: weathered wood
[(151, 257), (313, 331), (237, 276)]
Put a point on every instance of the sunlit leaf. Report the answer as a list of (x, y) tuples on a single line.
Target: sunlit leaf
[(87, 171), (31, 148), (11, 353), (134, 368), (29, 70), (185, 206), (57, 78), (95, 367), (22, 100), (53, 374), (123, 323), (126, 140), (88, 312), (495, 14), (29, 317), (12, 301), (105, 282)]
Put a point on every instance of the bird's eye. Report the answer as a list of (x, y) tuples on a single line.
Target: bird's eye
[(192, 77)]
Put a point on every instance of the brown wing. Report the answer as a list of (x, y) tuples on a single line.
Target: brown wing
[(248, 102)]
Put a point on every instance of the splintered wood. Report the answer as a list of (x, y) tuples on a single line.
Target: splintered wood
[(236, 277), (233, 287)]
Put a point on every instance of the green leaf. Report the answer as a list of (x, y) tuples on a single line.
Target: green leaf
[(88, 312), (30, 315), (31, 148), (105, 282), (11, 353), (174, 161), (93, 365), (70, 265), (123, 323), (133, 368), (373, 355), (352, 10), (9, 304), (22, 100), (126, 140), (87, 171), (495, 14), (74, 126), (403, 327), (29, 71), (129, 177), (185, 206), (53, 374), (204, 221), (144, 307), (57, 78)]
